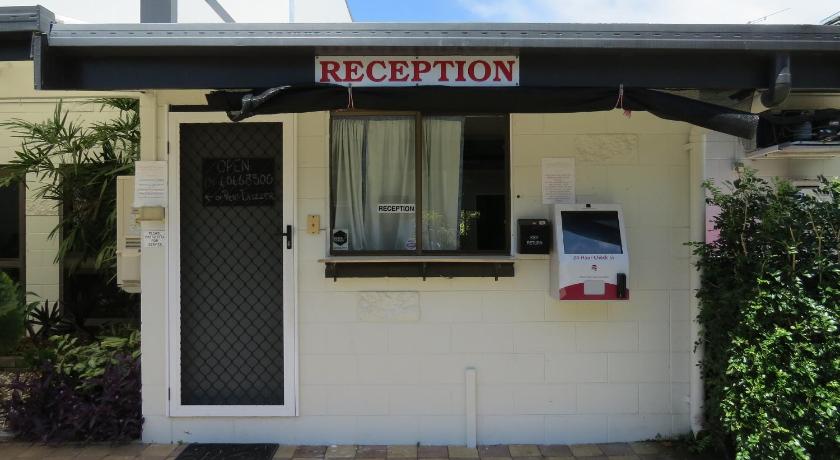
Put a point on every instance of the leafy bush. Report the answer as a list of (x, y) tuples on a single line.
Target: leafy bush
[(77, 166), (12, 313), (784, 389), (80, 392), (769, 308), (86, 362)]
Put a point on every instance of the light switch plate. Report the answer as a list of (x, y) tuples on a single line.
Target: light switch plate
[(313, 224)]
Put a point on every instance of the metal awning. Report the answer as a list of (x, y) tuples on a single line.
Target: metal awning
[(449, 35), (18, 24), (252, 56)]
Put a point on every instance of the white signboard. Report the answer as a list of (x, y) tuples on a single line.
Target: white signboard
[(558, 180), (149, 184), (395, 208), (417, 70), (154, 238)]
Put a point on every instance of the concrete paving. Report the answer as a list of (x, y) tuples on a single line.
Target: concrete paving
[(614, 451)]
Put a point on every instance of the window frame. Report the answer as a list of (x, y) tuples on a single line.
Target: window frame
[(418, 186), (19, 262)]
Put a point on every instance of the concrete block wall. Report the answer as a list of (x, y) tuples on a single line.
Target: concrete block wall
[(548, 371), (384, 360)]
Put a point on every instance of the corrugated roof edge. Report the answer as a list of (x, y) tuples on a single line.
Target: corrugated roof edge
[(25, 19), (471, 35)]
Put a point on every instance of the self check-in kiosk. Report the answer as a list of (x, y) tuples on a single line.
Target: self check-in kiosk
[(589, 260)]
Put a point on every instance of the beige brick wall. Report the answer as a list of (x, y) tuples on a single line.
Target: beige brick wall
[(548, 371), (619, 368)]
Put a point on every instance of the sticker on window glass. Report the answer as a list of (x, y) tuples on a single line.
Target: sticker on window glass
[(411, 244), (340, 239), (395, 208)]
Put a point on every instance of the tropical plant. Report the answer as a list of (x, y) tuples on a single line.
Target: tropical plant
[(79, 392), (769, 310), (83, 362), (76, 166), (12, 313), (49, 406), (44, 321)]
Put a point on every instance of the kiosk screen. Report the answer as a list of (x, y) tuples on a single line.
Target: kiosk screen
[(591, 232)]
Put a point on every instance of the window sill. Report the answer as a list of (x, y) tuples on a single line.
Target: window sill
[(417, 266)]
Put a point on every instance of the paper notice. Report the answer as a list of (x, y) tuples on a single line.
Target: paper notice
[(154, 238), (558, 180), (149, 184)]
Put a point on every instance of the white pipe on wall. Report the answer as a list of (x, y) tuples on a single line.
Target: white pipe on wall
[(697, 229), (471, 414)]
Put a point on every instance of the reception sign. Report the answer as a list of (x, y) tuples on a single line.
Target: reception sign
[(418, 70)]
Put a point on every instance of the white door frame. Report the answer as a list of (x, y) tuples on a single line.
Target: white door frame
[(173, 218)]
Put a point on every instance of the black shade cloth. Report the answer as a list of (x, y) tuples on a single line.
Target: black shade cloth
[(443, 100)]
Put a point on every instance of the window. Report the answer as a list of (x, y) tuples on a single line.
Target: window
[(456, 165), (12, 232)]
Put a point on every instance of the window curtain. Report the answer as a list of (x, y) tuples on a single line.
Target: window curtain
[(390, 180), (443, 150), (373, 164), (348, 152)]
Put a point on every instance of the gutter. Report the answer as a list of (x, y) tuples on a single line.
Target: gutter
[(637, 37)]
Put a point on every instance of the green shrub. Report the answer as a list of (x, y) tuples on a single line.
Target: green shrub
[(78, 392), (769, 310), (784, 375), (84, 362), (12, 314)]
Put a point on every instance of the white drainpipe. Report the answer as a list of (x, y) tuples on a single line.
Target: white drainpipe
[(697, 168)]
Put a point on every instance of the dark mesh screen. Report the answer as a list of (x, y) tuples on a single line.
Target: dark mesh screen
[(231, 270)]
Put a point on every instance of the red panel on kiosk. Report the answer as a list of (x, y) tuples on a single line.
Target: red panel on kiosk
[(575, 292)]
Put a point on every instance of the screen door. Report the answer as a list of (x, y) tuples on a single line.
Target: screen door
[(232, 244)]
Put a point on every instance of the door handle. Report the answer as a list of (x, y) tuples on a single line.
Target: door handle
[(288, 236)]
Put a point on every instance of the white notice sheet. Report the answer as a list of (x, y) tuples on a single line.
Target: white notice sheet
[(149, 184), (558, 180)]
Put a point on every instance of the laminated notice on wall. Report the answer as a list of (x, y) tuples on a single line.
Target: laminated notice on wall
[(149, 184), (558, 180), (154, 238)]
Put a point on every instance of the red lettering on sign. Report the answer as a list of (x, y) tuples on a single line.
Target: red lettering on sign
[(420, 68), (443, 69), (484, 75), (460, 68), (398, 69), (370, 75), (504, 67), (353, 71), (329, 69)]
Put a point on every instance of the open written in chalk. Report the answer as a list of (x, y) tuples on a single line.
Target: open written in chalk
[(238, 181)]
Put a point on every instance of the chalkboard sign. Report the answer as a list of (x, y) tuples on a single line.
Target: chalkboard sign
[(238, 181)]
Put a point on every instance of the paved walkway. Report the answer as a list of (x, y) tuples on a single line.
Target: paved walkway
[(617, 451)]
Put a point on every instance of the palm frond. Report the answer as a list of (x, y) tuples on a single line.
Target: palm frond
[(76, 165)]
